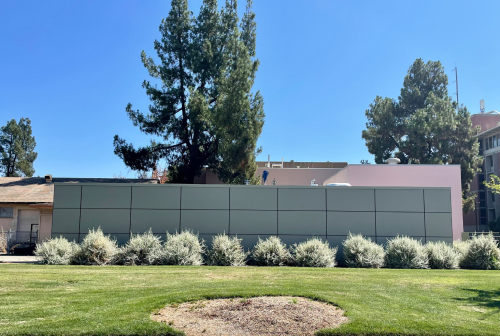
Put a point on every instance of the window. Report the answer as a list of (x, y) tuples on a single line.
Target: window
[(494, 141), (481, 180), (486, 143), (482, 196), (491, 215), (480, 147), (6, 212), (490, 140)]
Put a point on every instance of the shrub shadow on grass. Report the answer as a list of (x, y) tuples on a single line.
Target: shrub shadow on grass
[(489, 299)]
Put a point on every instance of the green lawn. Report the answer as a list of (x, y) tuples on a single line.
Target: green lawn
[(80, 300)]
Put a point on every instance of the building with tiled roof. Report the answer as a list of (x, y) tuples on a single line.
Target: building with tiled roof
[(26, 204)]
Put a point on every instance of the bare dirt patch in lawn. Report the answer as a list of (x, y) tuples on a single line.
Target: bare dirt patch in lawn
[(282, 315)]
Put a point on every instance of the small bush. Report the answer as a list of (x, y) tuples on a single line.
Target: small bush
[(3, 241), (226, 251), (314, 253), (95, 249), (271, 252), (461, 247), (362, 252), (56, 251), (405, 252), (141, 249), (182, 249), (442, 255), (482, 253)]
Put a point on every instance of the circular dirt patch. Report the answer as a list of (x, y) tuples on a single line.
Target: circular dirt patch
[(281, 315)]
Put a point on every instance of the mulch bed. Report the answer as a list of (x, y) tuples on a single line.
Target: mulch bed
[(281, 315)]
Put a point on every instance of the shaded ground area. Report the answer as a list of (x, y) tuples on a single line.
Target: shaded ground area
[(276, 316)]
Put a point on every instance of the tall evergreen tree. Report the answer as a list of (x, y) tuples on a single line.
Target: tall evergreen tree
[(17, 149), (422, 127), (204, 112)]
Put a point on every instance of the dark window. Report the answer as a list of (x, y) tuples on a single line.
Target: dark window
[(481, 180), (483, 212), (491, 142), (480, 147), (6, 212), (483, 221), (482, 196)]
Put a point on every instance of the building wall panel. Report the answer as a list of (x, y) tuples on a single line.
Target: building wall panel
[(109, 220), (341, 223), (156, 198), (106, 197), (159, 221), (293, 213)]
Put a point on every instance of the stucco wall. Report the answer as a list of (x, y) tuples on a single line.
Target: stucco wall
[(284, 176), (486, 121), (409, 176), (297, 176)]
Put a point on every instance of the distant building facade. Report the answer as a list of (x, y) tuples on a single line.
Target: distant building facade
[(487, 203)]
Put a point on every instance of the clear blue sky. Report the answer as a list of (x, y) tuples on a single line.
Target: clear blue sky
[(72, 66)]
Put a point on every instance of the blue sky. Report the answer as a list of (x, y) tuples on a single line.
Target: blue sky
[(72, 66)]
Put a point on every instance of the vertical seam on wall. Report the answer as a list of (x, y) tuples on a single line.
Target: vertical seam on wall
[(80, 218), (375, 208), (425, 226), (180, 211), (326, 211), (130, 223), (277, 214), (229, 229), (451, 213)]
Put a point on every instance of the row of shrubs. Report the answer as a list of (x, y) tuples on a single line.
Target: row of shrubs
[(186, 248)]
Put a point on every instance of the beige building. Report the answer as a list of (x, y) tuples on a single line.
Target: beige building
[(26, 205), (283, 173)]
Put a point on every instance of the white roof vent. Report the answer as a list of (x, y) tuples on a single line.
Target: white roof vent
[(393, 161), (48, 178)]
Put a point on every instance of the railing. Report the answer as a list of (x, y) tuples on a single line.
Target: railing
[(470, 235), (20, 239)]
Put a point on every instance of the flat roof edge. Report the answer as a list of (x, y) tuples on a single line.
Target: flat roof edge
[(239, 186)]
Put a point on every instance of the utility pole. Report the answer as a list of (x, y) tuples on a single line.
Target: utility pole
[(456, 82)]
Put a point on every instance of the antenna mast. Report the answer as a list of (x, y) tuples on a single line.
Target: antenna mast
[(456, 81)]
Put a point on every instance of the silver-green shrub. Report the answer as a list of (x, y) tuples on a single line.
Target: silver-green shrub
[(55, 251), (3, 241), (482, 253), (226, 251), (461, 247), (405, 252), (361, 252), (95, 249), (141, 249), (183, 248), (271, 252), (314, 253), (442, 255)]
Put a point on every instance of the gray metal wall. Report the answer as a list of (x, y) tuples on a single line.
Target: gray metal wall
[(294, 213)]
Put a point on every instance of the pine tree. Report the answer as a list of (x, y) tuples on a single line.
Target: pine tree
[(17, 149), (205, 111), (422, 127)]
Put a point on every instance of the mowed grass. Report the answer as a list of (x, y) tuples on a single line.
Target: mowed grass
[(80, 300)]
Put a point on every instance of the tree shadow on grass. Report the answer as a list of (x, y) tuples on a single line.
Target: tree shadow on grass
[(489, 299)]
